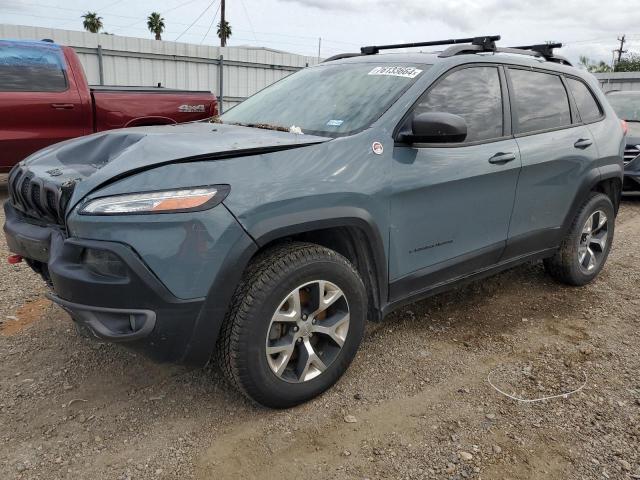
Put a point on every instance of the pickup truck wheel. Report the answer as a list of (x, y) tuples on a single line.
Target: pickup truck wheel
[(294, 326), (584, 251)]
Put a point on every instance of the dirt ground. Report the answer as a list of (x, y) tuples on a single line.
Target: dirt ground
[(418, 391)]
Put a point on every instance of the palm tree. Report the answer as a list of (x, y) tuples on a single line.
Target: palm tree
[(92, 22), (155, 24), (224, 32)]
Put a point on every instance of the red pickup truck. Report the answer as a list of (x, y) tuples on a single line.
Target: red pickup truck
[(45, 98)]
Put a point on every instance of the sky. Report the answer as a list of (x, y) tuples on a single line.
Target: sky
[(586, 27)]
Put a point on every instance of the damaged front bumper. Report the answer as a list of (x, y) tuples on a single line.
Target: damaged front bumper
[(123, 303)]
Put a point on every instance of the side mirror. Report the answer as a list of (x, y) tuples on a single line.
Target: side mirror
[(437, 127)]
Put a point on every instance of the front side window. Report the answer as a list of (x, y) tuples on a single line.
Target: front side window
[(31, 68), (329, 99), (588, 107), (473, 94), (541, 101)]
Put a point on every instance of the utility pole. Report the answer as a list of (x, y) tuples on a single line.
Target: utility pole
[(319, 47), (621, 50), (223, 25)]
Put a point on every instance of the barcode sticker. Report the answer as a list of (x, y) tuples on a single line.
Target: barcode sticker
[(406, 72)]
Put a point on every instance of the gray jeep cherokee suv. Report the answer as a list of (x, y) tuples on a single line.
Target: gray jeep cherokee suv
[(266, 238)]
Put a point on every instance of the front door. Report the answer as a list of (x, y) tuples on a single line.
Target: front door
[(451, 203)]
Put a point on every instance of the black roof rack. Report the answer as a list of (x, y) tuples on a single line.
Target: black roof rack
[(469, 45), (545, 50), (487, 42)]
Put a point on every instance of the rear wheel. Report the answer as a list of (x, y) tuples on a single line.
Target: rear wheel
[(584, 251), (295, 324)]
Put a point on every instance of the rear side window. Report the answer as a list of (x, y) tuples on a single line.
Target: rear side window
[(588, 107), (472, 93), (541, 101), (31, 68)]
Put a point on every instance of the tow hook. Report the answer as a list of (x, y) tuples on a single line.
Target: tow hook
[(14, 259)]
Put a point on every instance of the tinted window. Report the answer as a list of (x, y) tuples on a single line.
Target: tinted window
[(588, 107), (541, 101), (475, 95), (31, 68)]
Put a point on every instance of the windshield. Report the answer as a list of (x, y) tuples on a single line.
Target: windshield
[(331, 100), (627, 106)]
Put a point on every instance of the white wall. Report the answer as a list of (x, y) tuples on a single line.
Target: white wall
[(619, 80), (146, 62)]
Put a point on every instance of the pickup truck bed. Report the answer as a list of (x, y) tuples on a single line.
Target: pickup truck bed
[(45, 99)]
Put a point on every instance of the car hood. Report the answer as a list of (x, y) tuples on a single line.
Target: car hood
[(81, 165)]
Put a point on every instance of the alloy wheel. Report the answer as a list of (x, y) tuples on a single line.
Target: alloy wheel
[(593, 241), (307, 331)]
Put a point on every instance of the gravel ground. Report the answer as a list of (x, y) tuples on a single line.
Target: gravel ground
[(415, 404)]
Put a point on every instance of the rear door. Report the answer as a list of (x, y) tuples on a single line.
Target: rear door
[(557, 150), (451, 203), (39, 102)]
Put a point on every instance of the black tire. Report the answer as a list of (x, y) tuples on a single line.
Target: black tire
[(271, 276), (564, 266)]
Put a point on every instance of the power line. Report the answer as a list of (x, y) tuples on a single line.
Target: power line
[(249, 20), (213, 20), (196, 20)]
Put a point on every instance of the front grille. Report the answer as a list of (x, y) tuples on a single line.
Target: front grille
[(631, 153), (35, 197)]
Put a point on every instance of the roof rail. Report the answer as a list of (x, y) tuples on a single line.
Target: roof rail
[(486, 41), (340, 56)]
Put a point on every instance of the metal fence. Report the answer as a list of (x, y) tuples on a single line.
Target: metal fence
[(619, 81), (232, 73)]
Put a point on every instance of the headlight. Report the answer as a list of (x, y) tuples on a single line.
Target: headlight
[(166, 201)]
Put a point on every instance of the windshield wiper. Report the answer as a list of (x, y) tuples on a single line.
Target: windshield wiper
[(264, 126)]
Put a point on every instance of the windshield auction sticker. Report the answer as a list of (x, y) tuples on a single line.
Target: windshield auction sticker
[(406, 72)]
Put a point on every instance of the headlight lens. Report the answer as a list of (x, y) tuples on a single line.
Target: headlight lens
[(167, 201)]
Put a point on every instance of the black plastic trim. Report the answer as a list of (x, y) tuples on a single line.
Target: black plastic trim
[(96, 319), (326, 218), (412, 297), (443, 272)]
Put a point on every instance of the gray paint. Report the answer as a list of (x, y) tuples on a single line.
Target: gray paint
[(429, 206)]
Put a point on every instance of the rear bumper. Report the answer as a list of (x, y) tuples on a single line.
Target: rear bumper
[(134, 307)]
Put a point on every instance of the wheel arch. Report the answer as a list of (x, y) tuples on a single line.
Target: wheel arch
[(351, 232), (607, 180)]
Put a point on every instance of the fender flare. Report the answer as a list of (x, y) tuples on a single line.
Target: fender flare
[(207, 328), (592, 178)]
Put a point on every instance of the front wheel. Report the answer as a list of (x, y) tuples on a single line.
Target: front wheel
[(294, 326), (585, 249)]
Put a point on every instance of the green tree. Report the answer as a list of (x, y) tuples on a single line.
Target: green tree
[(155, 24), (600, 67), (629, 63), (92, 22), (224, 32)]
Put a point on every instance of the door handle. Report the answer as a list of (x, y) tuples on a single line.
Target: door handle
[(502, 158), (62, 106), (583, 143)]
